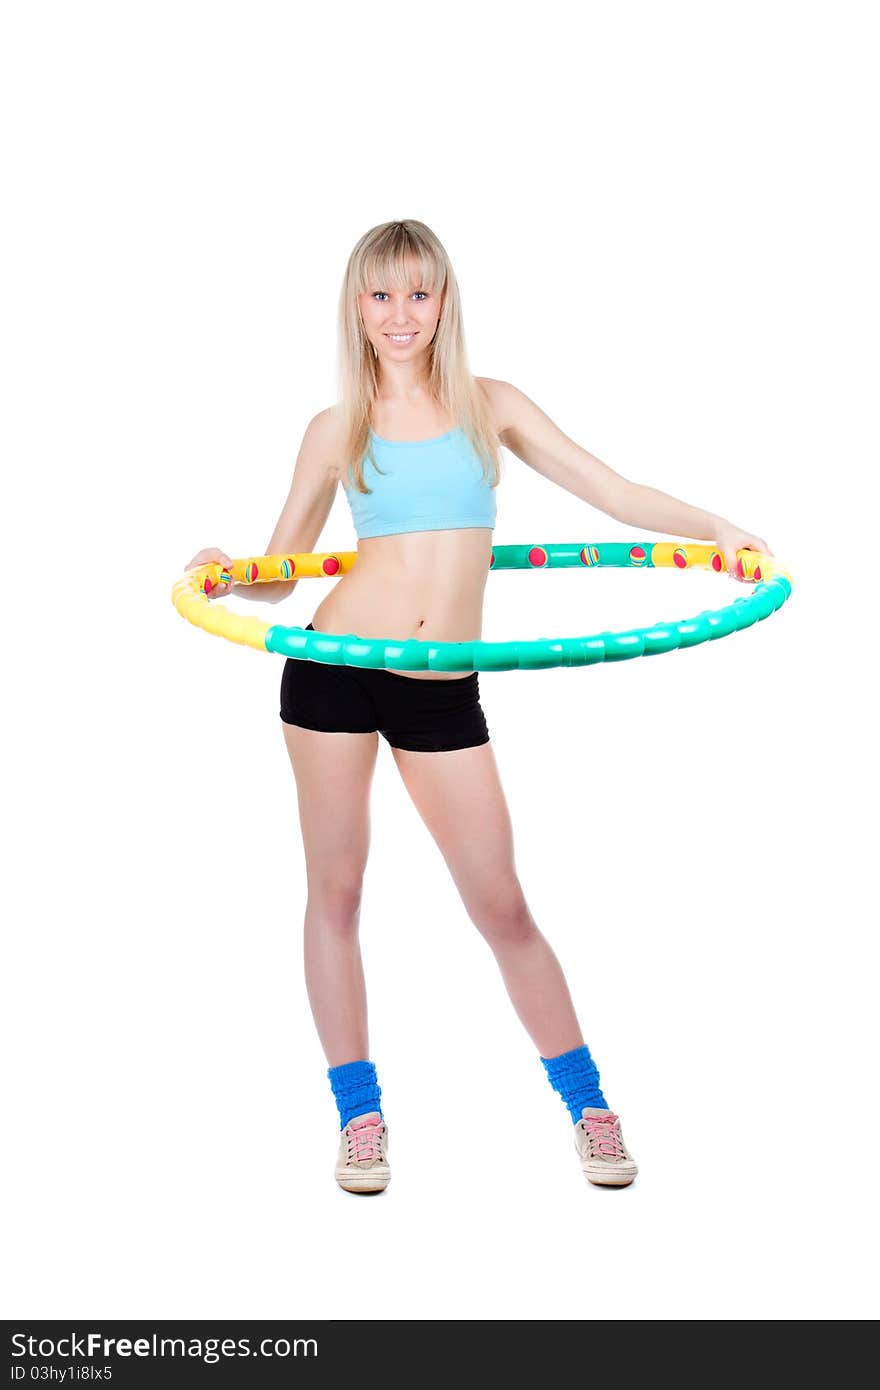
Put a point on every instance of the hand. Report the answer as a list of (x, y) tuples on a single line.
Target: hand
[(729, 539), (220, 556)]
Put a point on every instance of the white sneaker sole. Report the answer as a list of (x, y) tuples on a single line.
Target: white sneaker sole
[(610, 1177), (363, 1182)]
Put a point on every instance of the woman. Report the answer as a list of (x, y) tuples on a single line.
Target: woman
[(414, 439)]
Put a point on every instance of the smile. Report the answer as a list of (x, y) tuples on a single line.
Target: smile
[(400, 337)]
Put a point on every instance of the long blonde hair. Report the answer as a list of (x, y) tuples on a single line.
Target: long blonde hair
[(379, 258)]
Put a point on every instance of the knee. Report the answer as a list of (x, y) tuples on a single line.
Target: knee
[(335, 903), (504, 919)]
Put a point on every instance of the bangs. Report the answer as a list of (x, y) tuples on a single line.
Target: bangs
[(399, 262)]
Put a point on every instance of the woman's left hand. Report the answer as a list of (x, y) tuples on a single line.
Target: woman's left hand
[(729, 539)]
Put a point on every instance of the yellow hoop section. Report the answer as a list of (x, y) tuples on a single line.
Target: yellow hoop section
[(190, 595)]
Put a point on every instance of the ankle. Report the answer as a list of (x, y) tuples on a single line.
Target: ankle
[(356, 1089)]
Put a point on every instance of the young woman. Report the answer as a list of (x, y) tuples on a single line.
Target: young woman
[(414, 439)]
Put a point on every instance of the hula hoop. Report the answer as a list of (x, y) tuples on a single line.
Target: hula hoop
[(773, 586)]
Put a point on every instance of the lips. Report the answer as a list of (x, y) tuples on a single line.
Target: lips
[(401, 338)]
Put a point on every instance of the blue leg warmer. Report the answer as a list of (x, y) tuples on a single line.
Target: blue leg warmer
[(356, 1089), (574, 1075)]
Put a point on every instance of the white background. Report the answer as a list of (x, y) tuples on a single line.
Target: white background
[(661, 222)]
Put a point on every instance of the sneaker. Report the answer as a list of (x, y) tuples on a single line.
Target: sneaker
[(362, 1165), (605, 1158)]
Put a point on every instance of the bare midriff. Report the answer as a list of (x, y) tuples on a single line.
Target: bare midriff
[(423, 584)]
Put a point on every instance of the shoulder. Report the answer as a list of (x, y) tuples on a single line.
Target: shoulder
[(327, 424), (324, 435), (507, 403)]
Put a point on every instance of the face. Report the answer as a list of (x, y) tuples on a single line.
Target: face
[(400, 323)]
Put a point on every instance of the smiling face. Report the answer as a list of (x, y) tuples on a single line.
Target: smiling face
[(400, 323)]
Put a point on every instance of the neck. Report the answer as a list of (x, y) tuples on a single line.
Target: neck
[(405, 383)]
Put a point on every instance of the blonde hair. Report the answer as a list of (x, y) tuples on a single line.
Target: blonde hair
[(379, 260)]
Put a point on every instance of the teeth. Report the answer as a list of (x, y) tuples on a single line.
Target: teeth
[(400, 337)]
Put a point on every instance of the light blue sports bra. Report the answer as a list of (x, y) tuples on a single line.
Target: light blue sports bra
[(425, 485)]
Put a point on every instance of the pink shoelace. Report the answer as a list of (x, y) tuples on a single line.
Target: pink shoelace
[(363, 1141), (604, 1135)]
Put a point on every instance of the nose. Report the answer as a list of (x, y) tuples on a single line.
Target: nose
[(399, 310)]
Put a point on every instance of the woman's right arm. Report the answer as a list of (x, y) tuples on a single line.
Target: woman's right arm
[(304, 514)]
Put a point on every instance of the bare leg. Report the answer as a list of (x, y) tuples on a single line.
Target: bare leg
[(460, 798), (333, 777)]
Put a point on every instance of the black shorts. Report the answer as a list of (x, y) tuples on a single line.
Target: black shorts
[(423, 714)]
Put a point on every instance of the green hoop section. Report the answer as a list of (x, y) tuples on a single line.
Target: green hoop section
[(772, 586)]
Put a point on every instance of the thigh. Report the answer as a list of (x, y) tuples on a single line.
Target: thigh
[(334, 772), (460, 798)]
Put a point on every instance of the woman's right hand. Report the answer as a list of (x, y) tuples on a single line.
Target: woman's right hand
[(221, 558)]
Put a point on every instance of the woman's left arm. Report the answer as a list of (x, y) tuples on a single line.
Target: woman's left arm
[(526, 431)]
